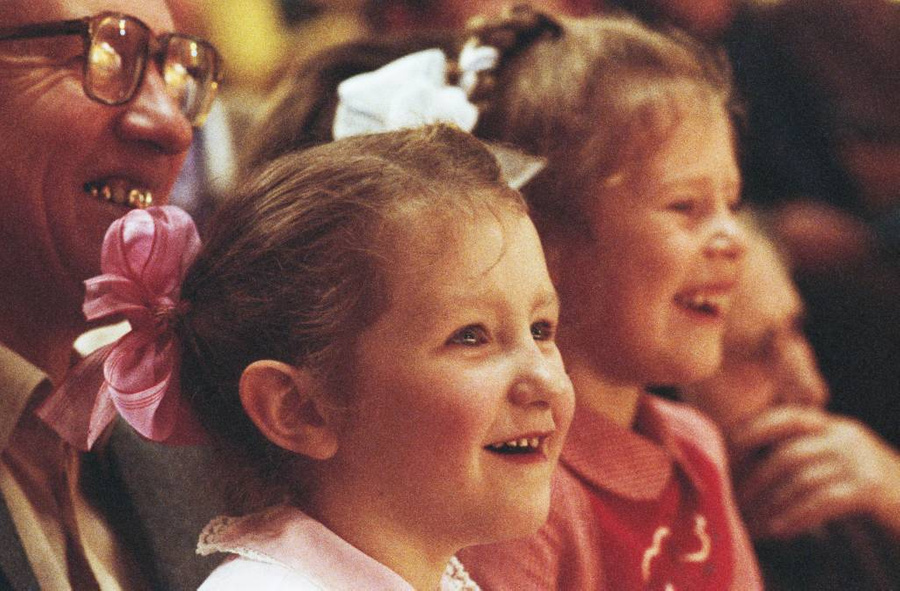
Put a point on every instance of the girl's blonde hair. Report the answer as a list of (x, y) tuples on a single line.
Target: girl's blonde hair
[(594, 96)]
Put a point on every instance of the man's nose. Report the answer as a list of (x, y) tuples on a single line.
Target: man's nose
[(801, 381), (153, 118)]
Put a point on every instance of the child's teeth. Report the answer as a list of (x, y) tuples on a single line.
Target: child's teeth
[(532, 443), (703, 302)]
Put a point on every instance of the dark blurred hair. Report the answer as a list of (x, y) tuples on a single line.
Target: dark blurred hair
[(300, 111)]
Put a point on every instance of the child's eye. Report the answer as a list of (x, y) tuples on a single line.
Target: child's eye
[(683, 205), (469, 336), (543, 331)]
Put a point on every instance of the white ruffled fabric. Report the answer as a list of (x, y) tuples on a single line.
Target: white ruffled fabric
[(406, 93), (282, 548)]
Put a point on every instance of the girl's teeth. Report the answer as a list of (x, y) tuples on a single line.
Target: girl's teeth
[(702, 302), (532, 443)]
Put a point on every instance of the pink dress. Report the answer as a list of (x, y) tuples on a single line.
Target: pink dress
[(282, 548)]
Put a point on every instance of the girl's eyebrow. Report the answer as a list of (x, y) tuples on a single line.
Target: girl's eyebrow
[(702, 182), (547, 298)]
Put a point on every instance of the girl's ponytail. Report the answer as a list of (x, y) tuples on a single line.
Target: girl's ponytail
[(510, 34)]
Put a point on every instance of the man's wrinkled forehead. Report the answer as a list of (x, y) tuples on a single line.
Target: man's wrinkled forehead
[(16, 12), (153, 12)]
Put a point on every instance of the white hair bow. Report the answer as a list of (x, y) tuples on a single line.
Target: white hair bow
[(412, 91)]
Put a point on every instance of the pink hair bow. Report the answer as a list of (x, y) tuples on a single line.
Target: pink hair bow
[(145, 256)]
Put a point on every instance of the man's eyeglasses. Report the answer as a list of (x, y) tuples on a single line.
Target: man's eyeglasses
[(117, 48)]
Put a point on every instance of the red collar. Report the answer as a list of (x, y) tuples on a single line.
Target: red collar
[(632, 463)]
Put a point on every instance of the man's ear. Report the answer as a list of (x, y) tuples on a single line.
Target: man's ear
[(282, 401)]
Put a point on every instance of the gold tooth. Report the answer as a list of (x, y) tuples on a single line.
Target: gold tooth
[(119, 196), (139, 199), (135, 198)]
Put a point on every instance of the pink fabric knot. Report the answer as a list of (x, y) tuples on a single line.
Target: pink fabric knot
[(145, 257)]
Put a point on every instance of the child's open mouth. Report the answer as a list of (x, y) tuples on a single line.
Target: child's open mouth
[(520, 446), (706, 304)]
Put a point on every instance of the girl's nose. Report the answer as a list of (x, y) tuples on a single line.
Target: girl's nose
[(728, 238), (541, 381), (153, 118)]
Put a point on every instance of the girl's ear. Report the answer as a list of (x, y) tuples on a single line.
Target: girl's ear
[(282, 402)]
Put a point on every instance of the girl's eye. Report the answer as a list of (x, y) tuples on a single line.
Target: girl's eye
[(682, 205), (469, 336), (543, 331)]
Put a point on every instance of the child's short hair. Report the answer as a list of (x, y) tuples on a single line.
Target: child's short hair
[(297, 264), (593, 96)]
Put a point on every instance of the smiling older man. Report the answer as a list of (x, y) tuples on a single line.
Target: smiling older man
[(98, 106)]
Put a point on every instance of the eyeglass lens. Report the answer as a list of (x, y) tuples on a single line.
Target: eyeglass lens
[(117, 59), (188, 69)]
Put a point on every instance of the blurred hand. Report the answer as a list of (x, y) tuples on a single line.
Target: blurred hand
[(797, 468)]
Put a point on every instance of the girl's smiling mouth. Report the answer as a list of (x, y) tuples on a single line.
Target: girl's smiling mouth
[(712, 302), (520, 446)]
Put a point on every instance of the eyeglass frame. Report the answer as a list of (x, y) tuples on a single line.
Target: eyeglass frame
[(84, 27)]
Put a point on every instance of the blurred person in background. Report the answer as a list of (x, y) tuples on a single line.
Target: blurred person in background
[(820, 492)]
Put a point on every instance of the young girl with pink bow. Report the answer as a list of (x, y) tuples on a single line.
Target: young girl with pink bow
[(368, 335)]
